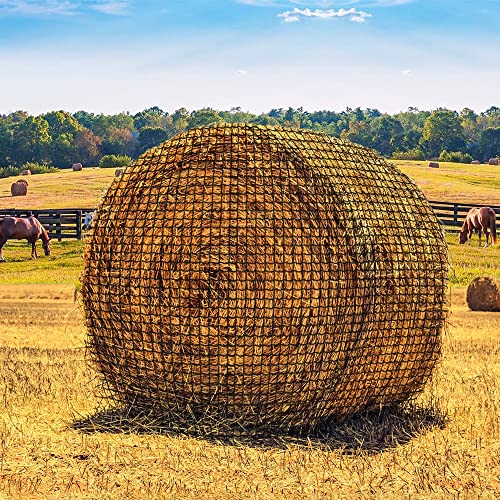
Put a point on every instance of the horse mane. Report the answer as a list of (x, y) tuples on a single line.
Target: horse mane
[(44, 235)]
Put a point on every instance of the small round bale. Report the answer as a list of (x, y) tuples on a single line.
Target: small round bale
[(19, 188), (433, 164), (26, 172), (77, 167), (475, 162), (493, 161), (263, 276), (483, 294)]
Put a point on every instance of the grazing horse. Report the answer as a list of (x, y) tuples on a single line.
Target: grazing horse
[(482, 219), (20, 228)]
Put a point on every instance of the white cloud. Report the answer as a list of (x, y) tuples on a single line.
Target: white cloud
[(111, 7), (242, 72), (407, 72), (37, 7), (293, 16), (62, 7)]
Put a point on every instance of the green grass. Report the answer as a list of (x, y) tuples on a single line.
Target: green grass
[(469, 261), (65, 264), (63, 267)]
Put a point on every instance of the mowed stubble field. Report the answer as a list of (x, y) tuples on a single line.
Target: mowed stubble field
[(447, 444)]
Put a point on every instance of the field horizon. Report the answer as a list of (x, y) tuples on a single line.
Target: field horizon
[(452, 182)]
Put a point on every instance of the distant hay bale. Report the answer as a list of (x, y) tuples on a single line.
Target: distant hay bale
[(77, 167), (118, 172), (26, 172), (483, 294), (475, 162), (263, 276), (434, 164), (493, 161), (19, 188)]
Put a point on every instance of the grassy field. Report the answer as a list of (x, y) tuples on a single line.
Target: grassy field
[(64, 189), (454, 182), (56, 442)]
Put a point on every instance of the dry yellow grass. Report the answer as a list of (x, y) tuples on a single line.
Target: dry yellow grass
[(63, 189), (46, 388)]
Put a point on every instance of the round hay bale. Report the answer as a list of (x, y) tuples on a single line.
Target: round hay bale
[(433, 164), (475, 162), (19, 188), (261, 275), (483, 294), (77, 167), (26, 172), (118, 172), (493, 161)]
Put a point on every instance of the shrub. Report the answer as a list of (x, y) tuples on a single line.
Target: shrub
[(35, 168), (38, 168), (108, 161), (411, 154), (455, 156)]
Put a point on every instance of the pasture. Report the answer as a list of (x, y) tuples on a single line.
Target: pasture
[(447, 443)]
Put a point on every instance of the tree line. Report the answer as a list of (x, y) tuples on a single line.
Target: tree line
[(59, 138)]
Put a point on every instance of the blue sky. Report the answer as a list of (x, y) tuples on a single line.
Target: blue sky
[(125, 55)]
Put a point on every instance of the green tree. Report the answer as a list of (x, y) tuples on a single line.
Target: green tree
[(387, 134), (149, 137), (151, 117), (30, 140), (180, 120), (204, 116), (489, 143), (442, 130), (119, 141), (61, 122)]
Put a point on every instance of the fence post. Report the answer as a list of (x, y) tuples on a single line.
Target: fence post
[(455, 212), (58, 226), (78, 224)]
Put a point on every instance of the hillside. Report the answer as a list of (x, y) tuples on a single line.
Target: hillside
[(455, 182)]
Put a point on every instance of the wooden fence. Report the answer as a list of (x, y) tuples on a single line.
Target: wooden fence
[(452, 215), (67, 223), (60, 224)]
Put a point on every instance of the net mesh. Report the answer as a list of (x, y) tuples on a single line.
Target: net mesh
[(263, 276)]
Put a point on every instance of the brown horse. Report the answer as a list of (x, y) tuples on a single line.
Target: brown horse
[(20, 228), (481, 219)]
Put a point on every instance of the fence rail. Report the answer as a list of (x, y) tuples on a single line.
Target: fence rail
[(68, 223), (452, 215), (60, 224)]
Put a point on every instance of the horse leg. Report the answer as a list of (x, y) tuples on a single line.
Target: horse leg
[(33, 249), (3, 240), (487, 236)]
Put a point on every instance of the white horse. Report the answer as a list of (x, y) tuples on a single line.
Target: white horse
[(88, 220)]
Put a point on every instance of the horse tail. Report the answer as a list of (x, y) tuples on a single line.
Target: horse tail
[(493, 226)]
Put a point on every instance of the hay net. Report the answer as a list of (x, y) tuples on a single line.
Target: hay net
[(263, 276)]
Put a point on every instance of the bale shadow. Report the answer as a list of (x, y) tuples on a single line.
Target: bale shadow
[(368, 431)]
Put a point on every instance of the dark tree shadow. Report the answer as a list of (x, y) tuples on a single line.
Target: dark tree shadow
[(368, 431)]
